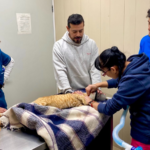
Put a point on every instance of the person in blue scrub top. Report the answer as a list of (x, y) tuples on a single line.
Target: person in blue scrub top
[(6, 65), (145, 41)]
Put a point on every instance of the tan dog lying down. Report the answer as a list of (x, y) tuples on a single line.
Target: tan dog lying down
[(62, 101)]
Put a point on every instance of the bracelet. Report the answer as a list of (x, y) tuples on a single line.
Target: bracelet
[(90, 103)]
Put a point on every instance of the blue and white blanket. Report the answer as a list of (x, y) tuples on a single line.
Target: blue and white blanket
[(66, 129)]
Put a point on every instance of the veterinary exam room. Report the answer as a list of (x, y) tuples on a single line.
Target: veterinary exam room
[(68, 74)]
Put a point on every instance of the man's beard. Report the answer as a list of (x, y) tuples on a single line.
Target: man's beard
[(77, 40)]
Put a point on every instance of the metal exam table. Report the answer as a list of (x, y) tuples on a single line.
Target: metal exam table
[(20, 140)]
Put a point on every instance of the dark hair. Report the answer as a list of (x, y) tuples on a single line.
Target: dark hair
[(75, 19), (148, 14), (111, 57)]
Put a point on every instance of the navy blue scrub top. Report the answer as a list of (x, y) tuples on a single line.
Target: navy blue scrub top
[(4, 61)]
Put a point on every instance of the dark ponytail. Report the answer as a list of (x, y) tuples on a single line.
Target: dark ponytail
[(111, 57)]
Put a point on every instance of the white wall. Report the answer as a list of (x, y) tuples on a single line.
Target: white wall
[(109, 22), (32, 75)]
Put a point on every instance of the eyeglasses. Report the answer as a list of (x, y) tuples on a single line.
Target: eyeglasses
[(104, 72)]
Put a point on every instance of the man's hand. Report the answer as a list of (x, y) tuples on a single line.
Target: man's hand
[(2, 110), (78, 92)]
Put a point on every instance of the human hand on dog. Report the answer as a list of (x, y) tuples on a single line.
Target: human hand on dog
[(78, 92)]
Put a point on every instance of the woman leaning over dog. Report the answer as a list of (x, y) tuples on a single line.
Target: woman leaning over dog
[(132, 78)]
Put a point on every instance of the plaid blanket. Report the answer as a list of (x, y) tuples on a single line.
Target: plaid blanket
[(67, 129)]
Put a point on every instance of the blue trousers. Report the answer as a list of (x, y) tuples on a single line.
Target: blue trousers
[(2, 99)]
